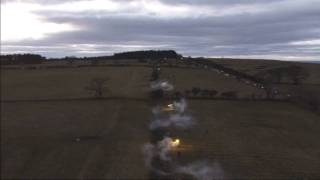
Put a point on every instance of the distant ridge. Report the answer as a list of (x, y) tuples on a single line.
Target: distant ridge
[(149, 54), (313, 62)]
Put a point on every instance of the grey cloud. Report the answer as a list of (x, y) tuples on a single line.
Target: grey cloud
[(271, 27), (217, 2), (39, 1), (266, 32)]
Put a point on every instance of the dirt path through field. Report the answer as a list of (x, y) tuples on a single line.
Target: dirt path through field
[(97, 150), (130, 83)]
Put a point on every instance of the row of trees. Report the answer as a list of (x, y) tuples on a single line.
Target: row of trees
[(197, 92), (265, 80), (201, 62), (151, 54), (15, 59)]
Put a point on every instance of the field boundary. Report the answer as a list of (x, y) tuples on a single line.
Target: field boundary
[(145, 99)]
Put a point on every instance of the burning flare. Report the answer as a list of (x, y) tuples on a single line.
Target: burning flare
[(169, 107), (175, 143)]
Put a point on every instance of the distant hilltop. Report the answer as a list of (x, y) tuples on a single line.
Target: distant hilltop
[(141, 55), (150, 54)]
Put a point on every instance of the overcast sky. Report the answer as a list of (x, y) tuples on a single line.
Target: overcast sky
[(271, 29)]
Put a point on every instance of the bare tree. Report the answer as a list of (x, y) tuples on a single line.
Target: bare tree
[(97, 86)]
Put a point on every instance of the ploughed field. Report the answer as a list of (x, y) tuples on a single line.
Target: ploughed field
[(52, 128)]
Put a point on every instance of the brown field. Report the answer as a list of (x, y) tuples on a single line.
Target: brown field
[(254, 66), (71, 82), (185, 79), (248, 139)]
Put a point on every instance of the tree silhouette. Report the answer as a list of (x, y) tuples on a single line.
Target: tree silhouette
[(21, 59), (97, 86)]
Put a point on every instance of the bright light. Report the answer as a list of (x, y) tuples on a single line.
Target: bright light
[(175, 143), (169, 107)]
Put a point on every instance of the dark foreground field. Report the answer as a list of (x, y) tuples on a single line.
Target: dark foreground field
[(51, 128)]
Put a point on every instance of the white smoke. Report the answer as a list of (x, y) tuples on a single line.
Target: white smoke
[(150, 151), (175, 116), (164, 147), (161, 85), (202, 170), (179, 119), (174, 120), (161, 150), (177, 106), (180, 106)]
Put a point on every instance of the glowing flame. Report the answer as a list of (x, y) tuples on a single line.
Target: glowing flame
[(175, 143), (168, 108)]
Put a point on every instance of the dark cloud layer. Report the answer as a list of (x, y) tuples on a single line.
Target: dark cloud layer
[(274, 28)]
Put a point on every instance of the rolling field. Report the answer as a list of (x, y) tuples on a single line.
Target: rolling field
[(254, 66), (71, 82), (186, 79), (67, 140), (77, 137)]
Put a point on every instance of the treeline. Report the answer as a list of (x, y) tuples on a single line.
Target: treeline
[(21, 59), (151, 54), (142, 56), (238, 74), (137, 55)]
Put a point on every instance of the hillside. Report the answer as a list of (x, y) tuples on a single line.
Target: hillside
[(51, 126)]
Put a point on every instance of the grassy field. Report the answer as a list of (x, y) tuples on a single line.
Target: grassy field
[(87, 138), (39, 140), (71, 82), (256, 139), (185, 79), (253, 66)]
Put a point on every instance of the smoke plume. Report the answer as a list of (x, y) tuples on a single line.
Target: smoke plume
[(180, 106), (157, 155), (174, 120), (164, 148), (177, 119), (201, 170), (161, 85), (160, 150)]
